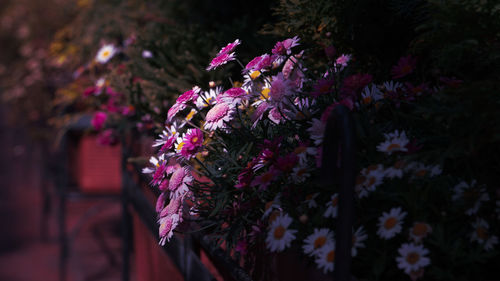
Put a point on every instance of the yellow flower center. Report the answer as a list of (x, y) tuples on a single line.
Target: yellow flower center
[(412, 258), (360, 179), (399, 164), (267, 177), (106, 54), (331, 256), (255, 74), (335, 201), (194, 140), (300, 150), (319, 242), (393, 146), (367, 100), (421, 173), (273, 216), (179, 147), (482, 233), (268, 205), (420, 229), (371, 181), (279, 232), (265, 92), (301, 172), (390, 223), (190, 115)]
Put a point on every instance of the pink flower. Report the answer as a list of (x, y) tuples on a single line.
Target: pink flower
[(167, 226), (275, 115), (451, 82), (287, 162), (355, 83), (179, 181), (160, 202), (241, 247), (173, 207), (107, 137), (280, 89), (284, 47), (260, 63), (246, 175), (322, 87), (220, 60), (265, 179), (258, 113), (218, 116), (128, 110), (343, 60), (266, 62), (159, 173), (189, 96), (172, 111), (192, 143), (405, 66), (164, 184), (229, 47), (233, 96), (98, 120), (168, 144), (89, 91)]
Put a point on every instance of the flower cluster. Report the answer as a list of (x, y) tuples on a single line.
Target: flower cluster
[(242, 160)]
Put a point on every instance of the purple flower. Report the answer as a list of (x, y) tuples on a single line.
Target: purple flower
[(405, 66), (99, 120)]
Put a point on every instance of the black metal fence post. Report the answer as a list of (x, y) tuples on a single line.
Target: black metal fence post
[(339, 156)]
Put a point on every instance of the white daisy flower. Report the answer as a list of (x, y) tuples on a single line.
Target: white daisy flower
[(147, 54), (275, 204), (394, 142), (300, 174), (412, 257), (317, 131), (301, 109), (421, 170), (315, 242), (208, 98), (310, 200), (332, 206), (392, 86), (155, 162), (498, 209), (371, 95), (101, 82), (279, 236), (325, 259), (482, 235), (390, 223), (395, 171), (106, 53), (303, 152), (368, 179), (471, 194), (358, 237), (419, 231)]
